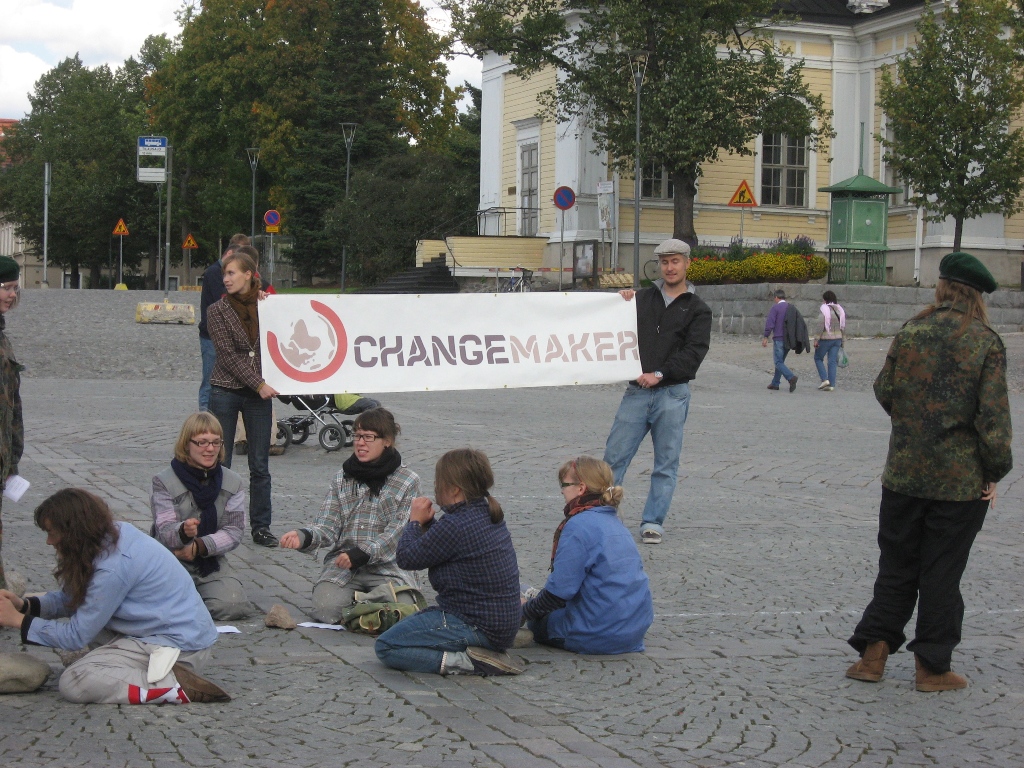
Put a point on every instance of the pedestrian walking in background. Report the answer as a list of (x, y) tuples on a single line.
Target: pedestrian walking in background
[(944, 386), (238, 385), (829, 341), (673, 334), (12, 430), (788, 331), (198, 509)]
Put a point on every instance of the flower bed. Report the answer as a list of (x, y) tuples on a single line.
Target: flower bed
[(758, 268)]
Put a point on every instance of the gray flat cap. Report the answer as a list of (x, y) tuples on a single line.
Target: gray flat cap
[(672, 246)]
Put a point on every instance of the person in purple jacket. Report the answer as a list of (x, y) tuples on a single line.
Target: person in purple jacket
[(774, 328)]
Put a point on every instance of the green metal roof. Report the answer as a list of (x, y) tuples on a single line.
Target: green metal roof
[(861, 185)]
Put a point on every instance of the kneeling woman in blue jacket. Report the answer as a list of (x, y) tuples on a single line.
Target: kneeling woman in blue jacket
[(597, 598)]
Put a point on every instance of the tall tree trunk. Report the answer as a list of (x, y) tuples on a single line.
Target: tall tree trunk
[(74, 274), (684, 183), (94, 276), (958, 232)]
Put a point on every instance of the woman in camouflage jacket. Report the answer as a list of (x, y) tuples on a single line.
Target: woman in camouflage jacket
[(944, 386), (12, 433)]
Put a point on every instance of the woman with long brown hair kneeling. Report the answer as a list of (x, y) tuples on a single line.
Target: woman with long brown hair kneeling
[(127, 598), (471, 565)]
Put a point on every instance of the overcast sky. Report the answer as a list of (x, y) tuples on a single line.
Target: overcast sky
[(37, 34)]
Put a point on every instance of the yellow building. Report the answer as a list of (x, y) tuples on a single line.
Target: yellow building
[(524, 158)]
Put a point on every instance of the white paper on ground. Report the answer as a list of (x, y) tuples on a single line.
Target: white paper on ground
[(228, 630), (318, 625), (16, 487)]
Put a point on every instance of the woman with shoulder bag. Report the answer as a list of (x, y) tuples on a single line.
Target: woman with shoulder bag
[(829, 341)]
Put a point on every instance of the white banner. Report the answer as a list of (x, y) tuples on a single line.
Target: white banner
[(325, 344)]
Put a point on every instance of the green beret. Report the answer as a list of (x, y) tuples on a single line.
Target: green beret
[(9, 269), (961, 267)]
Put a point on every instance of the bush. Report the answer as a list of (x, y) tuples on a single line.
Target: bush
[(759, 268)]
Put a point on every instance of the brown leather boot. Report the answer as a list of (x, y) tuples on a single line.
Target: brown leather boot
[(929, 682), (198, 689), (871, 666)]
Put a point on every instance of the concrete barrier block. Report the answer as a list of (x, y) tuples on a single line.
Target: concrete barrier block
[(181, 314)]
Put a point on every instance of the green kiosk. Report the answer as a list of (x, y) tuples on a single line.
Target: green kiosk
[(858, 230)]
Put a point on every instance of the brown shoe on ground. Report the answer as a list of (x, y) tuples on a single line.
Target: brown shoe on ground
[(930, 682), (276, 450), (871, 666), (198, 689)]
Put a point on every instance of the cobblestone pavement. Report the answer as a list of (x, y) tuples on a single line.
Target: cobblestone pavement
[(768, 560)]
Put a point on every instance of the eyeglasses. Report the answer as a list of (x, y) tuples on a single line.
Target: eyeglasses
[(9, 287), (204, 444), (366, 437), (568, 485)]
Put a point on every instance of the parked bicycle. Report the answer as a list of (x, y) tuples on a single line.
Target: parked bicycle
[(521, 283)]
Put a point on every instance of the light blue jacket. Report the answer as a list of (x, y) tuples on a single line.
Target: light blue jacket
[(598, 572), (139, 590)]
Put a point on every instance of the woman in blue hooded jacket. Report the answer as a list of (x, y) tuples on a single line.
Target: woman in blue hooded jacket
[(597, 598)]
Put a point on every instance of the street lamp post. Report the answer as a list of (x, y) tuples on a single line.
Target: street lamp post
[(638, 68), (254, 161), (348, 131)]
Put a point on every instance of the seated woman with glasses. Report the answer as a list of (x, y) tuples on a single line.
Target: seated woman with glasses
[(199, 514), (361, 520), (597, 598)]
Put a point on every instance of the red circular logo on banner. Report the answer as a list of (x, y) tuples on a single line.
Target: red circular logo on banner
[(315, 348)]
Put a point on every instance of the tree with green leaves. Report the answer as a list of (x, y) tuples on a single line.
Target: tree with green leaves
[(715, 78), (84, 122), (952, 106)]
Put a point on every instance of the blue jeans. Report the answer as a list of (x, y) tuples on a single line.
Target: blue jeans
[(418, 643), (661, 411), (828, 347), (540, 633), (258, 419), (209, 353), (780, 352)]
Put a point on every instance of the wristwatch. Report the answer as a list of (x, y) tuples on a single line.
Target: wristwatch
[(658, 375)]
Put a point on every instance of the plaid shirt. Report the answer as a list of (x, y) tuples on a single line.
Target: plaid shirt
[(472, 567), (351, 517), (238, 362)]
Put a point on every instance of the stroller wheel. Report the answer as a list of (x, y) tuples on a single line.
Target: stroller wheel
[(332, 437), (349, 428), (283, 437), (300, 433)]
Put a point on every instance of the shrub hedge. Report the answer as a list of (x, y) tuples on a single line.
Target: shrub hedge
[(759, 268)]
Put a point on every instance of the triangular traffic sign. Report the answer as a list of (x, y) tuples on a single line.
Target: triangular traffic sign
[(190, 243), (743, 197), (121, 229)]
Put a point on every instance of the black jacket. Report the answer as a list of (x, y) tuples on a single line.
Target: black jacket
[(794, 331), (213, 289), (672, 339)]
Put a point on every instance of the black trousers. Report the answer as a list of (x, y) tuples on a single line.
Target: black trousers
[(924, 549)]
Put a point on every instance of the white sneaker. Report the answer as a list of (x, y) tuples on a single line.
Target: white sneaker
[(825, 385), (650, 537)]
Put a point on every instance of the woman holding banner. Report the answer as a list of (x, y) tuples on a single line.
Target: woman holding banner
[(237, 381)]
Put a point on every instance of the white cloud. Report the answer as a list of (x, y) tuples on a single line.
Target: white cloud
[(35, 35)]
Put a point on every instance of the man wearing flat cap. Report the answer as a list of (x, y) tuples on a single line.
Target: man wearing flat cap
[(673, 334), (944, 386)]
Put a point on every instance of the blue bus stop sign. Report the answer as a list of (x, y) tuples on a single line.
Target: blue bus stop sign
[(565, 198)]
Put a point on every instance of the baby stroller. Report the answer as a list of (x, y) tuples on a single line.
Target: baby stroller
[(325, 412)]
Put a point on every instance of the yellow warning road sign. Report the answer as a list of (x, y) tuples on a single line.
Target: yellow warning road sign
[(190, 243), (743, 197), (121, 229)]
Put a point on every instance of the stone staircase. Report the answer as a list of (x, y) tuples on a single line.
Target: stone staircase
[(433, 277)]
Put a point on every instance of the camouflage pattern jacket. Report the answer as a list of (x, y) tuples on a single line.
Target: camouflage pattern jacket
[(946, 394), (12, 431)]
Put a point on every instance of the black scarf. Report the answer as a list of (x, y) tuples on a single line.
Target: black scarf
[(373, 474), (204, 485)]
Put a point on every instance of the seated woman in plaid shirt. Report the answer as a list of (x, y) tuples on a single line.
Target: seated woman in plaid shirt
[(361, 519), (471, 565)]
